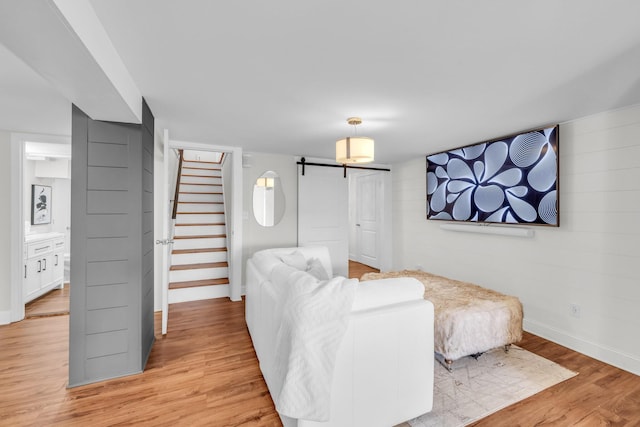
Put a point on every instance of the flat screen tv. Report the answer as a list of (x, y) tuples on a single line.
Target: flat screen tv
[(508, 180)]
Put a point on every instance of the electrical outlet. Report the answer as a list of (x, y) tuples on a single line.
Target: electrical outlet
[(574, 310)]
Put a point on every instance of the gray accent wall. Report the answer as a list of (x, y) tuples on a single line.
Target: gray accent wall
[(111, 329)]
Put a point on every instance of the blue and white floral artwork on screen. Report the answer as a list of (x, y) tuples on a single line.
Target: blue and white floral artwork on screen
[(511, 180)]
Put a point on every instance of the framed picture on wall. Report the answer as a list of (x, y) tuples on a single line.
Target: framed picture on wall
[(40, 204)]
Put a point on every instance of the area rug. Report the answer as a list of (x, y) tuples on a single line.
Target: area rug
[(477, 388)]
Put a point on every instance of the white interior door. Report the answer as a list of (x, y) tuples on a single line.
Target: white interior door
[(323, 213), (367, 218)]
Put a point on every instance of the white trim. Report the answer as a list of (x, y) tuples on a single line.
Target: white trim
[(201, 146), (235, 241), (597, 351), (17, 227), (165, 231), (386, 250), (235, 272), (5, 317)]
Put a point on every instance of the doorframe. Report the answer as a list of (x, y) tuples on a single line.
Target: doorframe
[(235, 272), (18, 141), (384, 241), (354, 208)]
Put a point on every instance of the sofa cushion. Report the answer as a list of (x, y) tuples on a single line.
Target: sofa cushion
[(316, 269), (265, 261), (376, 293), (295, 259), (280, 274)]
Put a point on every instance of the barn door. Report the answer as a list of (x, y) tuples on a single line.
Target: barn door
[(323, 213)]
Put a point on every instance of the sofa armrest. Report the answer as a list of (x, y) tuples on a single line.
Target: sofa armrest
[(384, 368), (377, 293)]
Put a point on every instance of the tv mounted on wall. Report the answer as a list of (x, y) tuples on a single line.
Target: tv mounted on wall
[(508, 180)]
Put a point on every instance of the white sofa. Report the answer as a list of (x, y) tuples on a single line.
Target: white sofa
[(383, 372)]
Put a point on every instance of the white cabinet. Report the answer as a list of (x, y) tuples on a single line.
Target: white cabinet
[(43, 264), (58, 260)]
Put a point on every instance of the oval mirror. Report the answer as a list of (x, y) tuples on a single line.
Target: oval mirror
[(268, 199)]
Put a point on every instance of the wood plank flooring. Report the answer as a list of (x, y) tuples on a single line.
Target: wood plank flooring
[(356, 269), (205, 373), (52, 303), (600, 395)]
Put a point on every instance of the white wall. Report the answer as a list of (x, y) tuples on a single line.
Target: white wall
[(285, 233), (591, 259), (5, 231)]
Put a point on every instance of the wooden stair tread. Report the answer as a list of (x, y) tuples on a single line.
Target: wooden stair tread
[(201, 176), (202, 236), (197, 251), (196, 283), (201, 161), (200, 224), (200, 183), (200, 213), (196, 192), (200, 203), (199, 266), (204, 169)]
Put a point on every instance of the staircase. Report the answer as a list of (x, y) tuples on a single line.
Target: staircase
[(199, 268)]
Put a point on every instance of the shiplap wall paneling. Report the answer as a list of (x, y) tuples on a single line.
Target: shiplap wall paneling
[(590, 260), (110, 246)]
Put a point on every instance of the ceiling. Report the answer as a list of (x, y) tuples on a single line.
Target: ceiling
[(27, 102), (283, 76)]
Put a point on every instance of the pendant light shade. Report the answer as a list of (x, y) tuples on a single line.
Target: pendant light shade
[(354, 149)]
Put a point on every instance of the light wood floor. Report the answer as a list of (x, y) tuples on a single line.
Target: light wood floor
[(205, 372), (356, 269), (53, 303)]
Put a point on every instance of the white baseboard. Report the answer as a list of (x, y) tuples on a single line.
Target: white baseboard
[(198, 293), (600, 352), (5, 317)]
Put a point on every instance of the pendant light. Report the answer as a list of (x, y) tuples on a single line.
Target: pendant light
[(354, 149)]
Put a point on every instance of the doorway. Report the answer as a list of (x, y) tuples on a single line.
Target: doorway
[(330, 208), (366, 212), (41, 193), (232, 173)]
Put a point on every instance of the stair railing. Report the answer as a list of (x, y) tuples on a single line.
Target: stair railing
[(176, 195)]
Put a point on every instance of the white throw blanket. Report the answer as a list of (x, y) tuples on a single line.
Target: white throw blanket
[(315, 316)]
